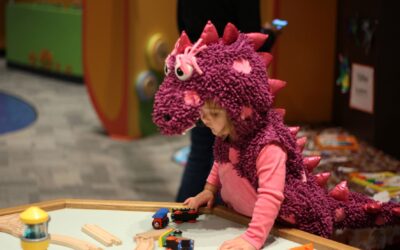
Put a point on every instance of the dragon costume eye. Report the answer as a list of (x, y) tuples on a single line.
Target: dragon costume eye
[(166, 69), (183, 73)]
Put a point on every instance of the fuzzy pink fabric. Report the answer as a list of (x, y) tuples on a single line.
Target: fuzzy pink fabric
[(242, 66), (306, 203)]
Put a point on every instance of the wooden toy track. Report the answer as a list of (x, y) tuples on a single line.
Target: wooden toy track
[(73, 243), (286, 233), (11, 224), (144, 243), (101, 235)]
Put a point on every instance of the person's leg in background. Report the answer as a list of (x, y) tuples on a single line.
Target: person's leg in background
[(199, 163)]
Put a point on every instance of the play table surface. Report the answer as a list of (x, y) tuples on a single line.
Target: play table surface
[(125, 219)]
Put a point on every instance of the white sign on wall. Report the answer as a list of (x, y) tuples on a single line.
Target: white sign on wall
[(362, 88)]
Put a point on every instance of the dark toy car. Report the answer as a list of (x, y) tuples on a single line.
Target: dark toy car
[(179, 215), (178, 243)]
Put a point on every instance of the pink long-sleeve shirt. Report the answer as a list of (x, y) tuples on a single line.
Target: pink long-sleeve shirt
[(237, 192)]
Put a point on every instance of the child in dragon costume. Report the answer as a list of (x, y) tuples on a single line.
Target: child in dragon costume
[(230, 75)]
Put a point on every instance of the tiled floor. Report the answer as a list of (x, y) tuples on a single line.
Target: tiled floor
[(64, 153)]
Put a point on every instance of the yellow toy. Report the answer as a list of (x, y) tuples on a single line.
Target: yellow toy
[(35, 235)]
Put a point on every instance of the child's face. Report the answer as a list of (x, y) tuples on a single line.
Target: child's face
[(216, 119)]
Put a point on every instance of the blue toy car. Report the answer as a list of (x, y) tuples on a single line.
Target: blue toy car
[(160, 218)]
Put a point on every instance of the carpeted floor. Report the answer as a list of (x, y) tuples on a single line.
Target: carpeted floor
[(65, 154)]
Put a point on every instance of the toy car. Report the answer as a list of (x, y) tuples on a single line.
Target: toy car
[(160, 218), (178, 243), (179, 215), (162, 240)]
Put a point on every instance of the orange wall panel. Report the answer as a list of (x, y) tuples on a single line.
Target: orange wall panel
[(146, 19), (117, 36), (305, 57)]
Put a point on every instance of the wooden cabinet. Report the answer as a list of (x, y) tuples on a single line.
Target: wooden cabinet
[(304, 56), (368, 34)]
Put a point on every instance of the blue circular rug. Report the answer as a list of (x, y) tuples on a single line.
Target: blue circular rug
[(15, 113)]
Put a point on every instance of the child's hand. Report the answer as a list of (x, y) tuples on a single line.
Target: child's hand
[(237, 243), (205, 197)]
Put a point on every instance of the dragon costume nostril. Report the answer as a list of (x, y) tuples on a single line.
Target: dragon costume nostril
[(167, 117)]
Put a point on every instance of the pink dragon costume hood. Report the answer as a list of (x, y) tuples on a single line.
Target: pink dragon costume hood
[(229, 71)]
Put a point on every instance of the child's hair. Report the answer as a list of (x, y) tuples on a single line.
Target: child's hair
[(213, 106)]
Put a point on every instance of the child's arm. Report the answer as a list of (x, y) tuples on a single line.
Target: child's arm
[(271, 170), (207, 196)]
